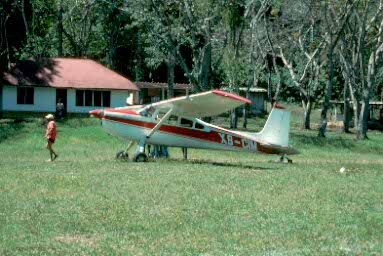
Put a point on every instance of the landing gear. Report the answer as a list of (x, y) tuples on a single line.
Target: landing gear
[(141, 157), (283, 157), (123, 154)]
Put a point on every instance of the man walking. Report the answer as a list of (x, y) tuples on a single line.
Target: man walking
[(50, 135)]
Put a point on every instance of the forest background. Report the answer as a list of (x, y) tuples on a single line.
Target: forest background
[(304, 51)]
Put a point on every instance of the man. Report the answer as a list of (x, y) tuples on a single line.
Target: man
[(50, 135), (60, 109)]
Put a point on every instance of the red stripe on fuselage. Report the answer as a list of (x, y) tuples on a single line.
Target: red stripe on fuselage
[(124, 111), (212, 136)]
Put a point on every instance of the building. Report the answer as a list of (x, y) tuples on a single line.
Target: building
[(257, 96), (154, 92), (80, 84)]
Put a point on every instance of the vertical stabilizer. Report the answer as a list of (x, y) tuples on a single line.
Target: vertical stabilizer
[(277, 127)]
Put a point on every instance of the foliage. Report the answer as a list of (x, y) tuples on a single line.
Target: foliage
[(209, 43)]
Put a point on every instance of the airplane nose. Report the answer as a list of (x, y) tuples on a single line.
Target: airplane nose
[(96, 113), (93, 113)]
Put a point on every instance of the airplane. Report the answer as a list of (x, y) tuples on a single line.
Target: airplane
[(175, 123)]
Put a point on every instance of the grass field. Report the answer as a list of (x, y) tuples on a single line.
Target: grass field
[(216, 203)]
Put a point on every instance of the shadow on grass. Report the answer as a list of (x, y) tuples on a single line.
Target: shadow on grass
[(8, 131), (337, 142), (221, 164), (19, 127)]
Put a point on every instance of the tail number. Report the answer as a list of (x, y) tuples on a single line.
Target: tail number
[(228, 139), (249, 144)]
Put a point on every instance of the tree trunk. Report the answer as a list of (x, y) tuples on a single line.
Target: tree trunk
[(60, 31), (269, 89), (346, 108), (356, 108), (206, 68), (365, 109), (307, 115), (7, 45), (234, 118), (246, 109), (326, 103), (245, 116), (25, 21), (363, 118), (112, 51), (171, 66), (138, 68)]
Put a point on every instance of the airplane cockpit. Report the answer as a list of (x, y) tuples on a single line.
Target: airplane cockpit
[(146, 111), (173, 120)]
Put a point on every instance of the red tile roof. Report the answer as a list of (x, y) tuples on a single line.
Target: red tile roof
[(66, 73), (163, 85)]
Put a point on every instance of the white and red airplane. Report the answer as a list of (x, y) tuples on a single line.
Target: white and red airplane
[(174, 123)]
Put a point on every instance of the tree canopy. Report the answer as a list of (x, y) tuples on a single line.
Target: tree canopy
[(306, 51)]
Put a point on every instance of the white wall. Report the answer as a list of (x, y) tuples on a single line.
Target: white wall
[(117, 99), (44, 100)]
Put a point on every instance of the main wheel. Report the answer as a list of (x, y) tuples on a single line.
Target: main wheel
[(141, 157), (122, 155)]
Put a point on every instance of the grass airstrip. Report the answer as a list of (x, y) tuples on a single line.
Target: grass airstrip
[(215, 203)]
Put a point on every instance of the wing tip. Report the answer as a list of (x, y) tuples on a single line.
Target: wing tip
[(276, 105), (232, 96)]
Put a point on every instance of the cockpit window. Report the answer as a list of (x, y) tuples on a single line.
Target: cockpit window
[(173, 120), (199, 126), (147, 111), (186, 122)]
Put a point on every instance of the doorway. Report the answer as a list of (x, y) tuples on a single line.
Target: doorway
[(61, 95), (1, 101)]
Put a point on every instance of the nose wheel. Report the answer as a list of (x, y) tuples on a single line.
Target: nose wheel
[(123, 154), (283, 157)]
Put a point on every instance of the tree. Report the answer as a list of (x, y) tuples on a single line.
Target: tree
[(361, 55), (335, 25), (79, 20)]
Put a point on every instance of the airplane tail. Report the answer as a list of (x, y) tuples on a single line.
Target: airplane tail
[(277, 127)]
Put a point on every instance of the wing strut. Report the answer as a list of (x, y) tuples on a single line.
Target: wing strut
[(164, 119), (141, 146)]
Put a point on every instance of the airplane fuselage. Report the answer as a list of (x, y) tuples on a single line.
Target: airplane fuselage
[(192, 134)]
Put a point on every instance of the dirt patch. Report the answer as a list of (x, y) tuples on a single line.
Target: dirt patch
[(84, 240)]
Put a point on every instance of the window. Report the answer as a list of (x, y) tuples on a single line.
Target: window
[(25, 95), (90, 98), (106, 99), (173, 120), (199, 126), (97, 98), (186, 123), (79, 98)]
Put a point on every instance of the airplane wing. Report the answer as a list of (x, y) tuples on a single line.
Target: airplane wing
[(203, 104)]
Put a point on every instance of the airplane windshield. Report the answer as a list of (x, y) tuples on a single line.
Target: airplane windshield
[(147, 111)]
